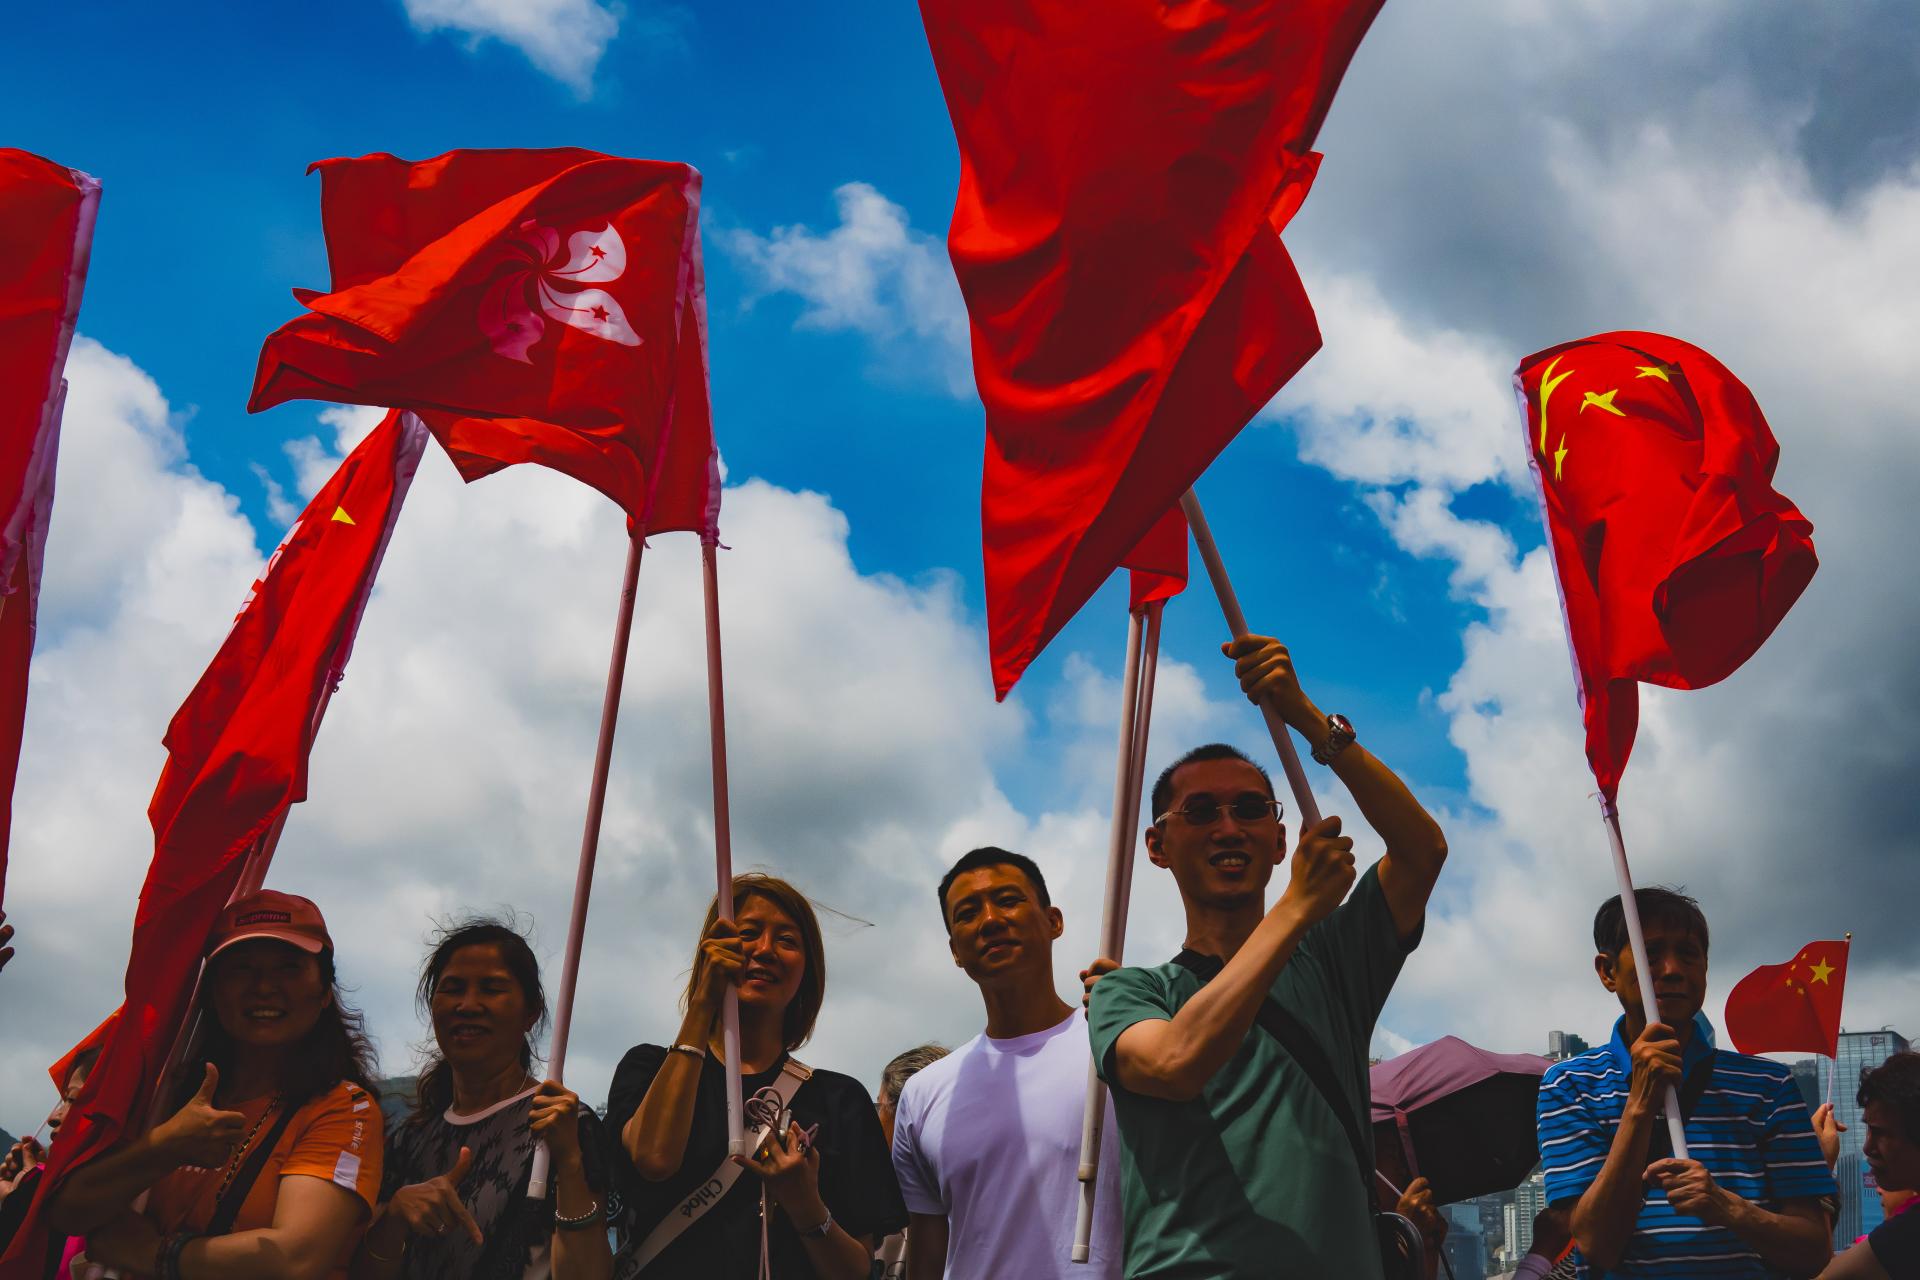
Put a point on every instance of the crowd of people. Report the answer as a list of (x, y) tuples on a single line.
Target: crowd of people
[(1235, 1077)]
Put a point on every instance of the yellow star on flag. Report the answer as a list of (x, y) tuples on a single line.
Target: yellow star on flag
[(1652, 371), (1598, 400), (1821, 970), (340, 516), (1559, 458)]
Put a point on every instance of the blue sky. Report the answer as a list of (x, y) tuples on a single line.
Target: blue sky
[(1499, 177)]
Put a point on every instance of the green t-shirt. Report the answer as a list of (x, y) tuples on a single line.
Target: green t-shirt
[(1255, 1177)]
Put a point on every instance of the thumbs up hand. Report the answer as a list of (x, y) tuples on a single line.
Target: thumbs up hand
[(434, 1207), (200, 1133)]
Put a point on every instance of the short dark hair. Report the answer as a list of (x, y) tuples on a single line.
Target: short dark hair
[(1163, 786), (1658, 905), (904, 1067), (992, 856), (1896, 1084)]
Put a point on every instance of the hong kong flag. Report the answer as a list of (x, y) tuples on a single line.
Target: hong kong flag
[(46, 233), (531, 306), (1791, 1007), (1675, 556), (1125, 170), (236, 759)]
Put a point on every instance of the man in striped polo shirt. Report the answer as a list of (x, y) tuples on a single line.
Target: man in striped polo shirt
[(1748, 1202)]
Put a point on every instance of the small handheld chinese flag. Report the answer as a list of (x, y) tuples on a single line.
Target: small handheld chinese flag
[(1675, 556), (1791, 1007), (543, 306), (1125, 172)]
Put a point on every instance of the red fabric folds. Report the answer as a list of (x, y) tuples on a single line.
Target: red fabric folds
[(531, 306), (46, 223), (236, 758), (1676, 557), (1125, 169), (1792, 1007)]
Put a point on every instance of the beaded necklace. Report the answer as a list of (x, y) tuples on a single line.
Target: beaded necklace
[(240, 1152)]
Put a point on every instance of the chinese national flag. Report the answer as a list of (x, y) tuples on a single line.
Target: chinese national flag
[(1676, 558), (236, 758), (531, 306), (1782, 1008), (46, 233), (1125, 170)]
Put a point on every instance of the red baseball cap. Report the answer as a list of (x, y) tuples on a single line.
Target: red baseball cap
[(284, 917)]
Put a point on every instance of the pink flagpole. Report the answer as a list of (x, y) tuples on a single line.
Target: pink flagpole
[(1237, 623), (1637, 939), (1136, 706), (722, 839), (589, 845)]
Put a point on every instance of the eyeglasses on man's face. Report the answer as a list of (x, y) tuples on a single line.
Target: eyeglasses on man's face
[(1248, 806)]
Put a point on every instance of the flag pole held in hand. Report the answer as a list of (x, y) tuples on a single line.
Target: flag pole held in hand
[(589, 846), (1136, 708), (1637, 939), (722, 839), (1237, 623)]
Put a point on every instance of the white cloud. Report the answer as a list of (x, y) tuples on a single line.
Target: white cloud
[(563, 38), (874, 275)]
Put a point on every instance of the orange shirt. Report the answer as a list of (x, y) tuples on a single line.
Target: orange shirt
[(337, 1136)]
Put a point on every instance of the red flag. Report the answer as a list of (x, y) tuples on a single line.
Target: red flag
[(1782, 1008), (236, 758), (1158, 566), (1675, 556), (46, 224), (531, 306), (1125, 169)]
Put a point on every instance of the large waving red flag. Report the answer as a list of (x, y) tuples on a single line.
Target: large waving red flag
[(531, 306), (1791, 1007), (236, 758), (1125, 169), (46, 226), (1675, 556)]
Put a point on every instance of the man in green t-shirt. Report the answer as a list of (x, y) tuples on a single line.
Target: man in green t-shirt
[(1233, 1163)]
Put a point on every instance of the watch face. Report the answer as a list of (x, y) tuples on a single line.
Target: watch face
[(1340, 724)]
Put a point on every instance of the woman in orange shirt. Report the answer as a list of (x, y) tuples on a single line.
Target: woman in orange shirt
[(272, 1165)]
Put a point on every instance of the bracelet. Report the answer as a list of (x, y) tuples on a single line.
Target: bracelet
[(382, 1257), (819, 1232), (691, 1050), (580, 1223), (167, 1261)]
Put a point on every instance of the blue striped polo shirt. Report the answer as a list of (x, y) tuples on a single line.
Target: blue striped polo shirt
[(1750, 1129)]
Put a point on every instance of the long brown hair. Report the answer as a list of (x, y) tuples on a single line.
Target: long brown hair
[(796, 1025)]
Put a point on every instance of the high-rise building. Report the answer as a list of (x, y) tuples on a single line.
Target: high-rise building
[(1860, 1052), (1564, 1044), (1464, 1246), (1810, 1074), (1511, 1250), (1529, 1198)]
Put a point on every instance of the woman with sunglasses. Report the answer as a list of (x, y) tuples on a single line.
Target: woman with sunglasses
[(455, 1203), (817, 1192), (270, 1163)]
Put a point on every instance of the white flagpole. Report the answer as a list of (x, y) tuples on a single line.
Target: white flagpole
[(1637, 939), (589, 846), (1237, 623), (722, 840), (1113, 922)]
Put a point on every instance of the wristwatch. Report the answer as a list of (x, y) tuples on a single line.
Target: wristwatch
[(1340, 736)]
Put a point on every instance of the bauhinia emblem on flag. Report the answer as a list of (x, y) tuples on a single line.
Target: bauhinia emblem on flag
[(1675, 556), (236, 758), (46, 228), (1125, 170), (1791, 1007), (531, 306)]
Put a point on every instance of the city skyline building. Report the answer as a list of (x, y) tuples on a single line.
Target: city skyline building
[(1859, 1052), (1465, 1247), (1562, 1045)]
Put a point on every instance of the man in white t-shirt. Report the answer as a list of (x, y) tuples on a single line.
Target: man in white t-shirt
[(986, 1141)]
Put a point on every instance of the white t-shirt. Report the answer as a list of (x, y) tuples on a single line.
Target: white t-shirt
[(989, 1137)]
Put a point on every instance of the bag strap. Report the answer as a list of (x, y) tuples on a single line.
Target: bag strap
[(229, 1207), (1293, 1037), (701, 1200)]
